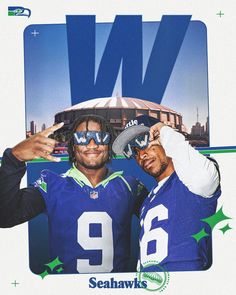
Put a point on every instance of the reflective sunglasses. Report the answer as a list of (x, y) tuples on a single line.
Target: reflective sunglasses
[(84, 137), (139, 142)]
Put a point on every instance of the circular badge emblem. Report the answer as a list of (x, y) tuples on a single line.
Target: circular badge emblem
[(155, 275)]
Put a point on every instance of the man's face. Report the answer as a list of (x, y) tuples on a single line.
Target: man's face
[(153, 160), (92, 155)]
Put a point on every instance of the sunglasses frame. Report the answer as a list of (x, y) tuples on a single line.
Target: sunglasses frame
[(141, 142), (84, 137)]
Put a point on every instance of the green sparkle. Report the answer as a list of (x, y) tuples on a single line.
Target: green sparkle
[(214, 219), (59, 269), (201, 234), (44, 274), (54, 263), (225, 228)]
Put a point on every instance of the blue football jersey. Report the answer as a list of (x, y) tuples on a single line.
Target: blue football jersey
[(168, 220), (89, 228)]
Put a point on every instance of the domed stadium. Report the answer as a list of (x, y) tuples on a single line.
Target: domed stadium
[(118, 111)]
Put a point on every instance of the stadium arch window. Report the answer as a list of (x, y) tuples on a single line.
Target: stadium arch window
[(142, 112), (128, 114), (115, 114), (102, 112), (164, 117), (172, 118), (153, 114)]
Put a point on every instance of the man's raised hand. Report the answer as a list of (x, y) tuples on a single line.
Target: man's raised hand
[(154, 133), (38, 146)]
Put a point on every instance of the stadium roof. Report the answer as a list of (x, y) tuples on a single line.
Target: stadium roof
[(119, 102)]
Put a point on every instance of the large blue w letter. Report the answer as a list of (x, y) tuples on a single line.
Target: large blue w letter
[(123, 45)]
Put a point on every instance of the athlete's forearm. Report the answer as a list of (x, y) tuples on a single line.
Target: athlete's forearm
[(16, 205), (196, 171)]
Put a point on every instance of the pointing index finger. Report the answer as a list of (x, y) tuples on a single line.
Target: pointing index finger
[(52, 129)]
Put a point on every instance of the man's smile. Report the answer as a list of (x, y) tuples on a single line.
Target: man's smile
[(146, 164)]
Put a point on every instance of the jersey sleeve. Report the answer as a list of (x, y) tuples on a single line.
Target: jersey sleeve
[(16, 205), (196, 171), (49, 185)]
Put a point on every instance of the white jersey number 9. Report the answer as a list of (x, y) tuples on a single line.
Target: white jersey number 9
[(104, 243)]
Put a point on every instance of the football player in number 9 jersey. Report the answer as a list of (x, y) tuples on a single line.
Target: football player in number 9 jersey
[(187, 191), (89, 208)]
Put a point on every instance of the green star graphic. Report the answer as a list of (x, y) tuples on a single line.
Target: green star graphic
[(59, 269), (214, 219), (225, 228), (54, 263), (201, 234), (44, 274)]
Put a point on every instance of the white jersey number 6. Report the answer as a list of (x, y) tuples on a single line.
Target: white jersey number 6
[(159, 235)]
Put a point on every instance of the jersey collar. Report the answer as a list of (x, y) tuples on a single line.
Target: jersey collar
[(82, 180)]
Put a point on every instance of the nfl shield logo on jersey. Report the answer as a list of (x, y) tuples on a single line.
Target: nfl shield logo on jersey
[(93, 195)]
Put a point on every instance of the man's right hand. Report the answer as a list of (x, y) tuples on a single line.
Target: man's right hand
[(37, 146)]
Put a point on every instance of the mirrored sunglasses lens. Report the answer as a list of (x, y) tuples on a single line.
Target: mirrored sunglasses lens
[(141, 141), (80, 138), (128, 151), (83, 138), (105, 137)]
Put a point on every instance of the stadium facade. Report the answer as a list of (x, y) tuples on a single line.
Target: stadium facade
[(118, 111)]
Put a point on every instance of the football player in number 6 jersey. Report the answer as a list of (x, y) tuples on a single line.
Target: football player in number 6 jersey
[(89, 208), (186, 192)]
